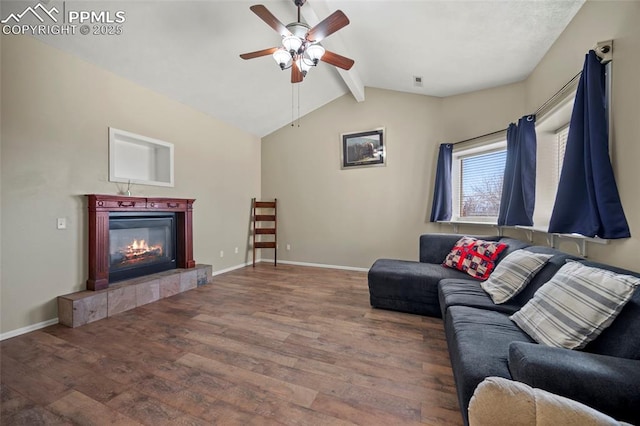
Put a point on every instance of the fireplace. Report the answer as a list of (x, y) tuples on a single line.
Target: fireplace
[(132, 236), (140, 244)]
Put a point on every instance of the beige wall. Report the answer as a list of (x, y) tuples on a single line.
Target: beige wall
[(599, 21), (56, 110), (353, 217), (485, 111)]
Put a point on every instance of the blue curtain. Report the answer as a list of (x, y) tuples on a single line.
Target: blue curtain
[(441, 207), (587, 201), (519, 183)]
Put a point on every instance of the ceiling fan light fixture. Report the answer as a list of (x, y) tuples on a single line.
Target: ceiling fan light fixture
[(305, 65), (315, 52), (282, 58), (300, 49), (292, 43)]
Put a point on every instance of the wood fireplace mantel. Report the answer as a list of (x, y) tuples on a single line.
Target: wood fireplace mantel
[(99, 208)]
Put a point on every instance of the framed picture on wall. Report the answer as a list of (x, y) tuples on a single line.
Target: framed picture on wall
[(363, 149)]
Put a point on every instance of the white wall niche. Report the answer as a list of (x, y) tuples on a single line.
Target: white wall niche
[(139, 159)]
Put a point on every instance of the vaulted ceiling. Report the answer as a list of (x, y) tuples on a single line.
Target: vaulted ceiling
[(188, 50)]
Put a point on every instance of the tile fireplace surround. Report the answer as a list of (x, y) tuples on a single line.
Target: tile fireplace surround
[(102, 300)]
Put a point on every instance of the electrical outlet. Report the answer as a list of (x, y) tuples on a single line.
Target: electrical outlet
[(288, 246), (236, 250), (62, 223), (221, 253)]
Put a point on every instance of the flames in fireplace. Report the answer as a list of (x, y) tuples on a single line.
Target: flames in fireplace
[(139, 251), (141, 243)]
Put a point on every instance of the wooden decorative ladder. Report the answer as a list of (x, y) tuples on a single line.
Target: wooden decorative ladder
[(260, 217)]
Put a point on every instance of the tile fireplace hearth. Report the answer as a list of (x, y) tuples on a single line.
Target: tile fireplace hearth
[(83, 307)]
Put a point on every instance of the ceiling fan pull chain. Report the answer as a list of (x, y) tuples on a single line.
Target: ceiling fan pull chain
[(293, 120), (299, 85)]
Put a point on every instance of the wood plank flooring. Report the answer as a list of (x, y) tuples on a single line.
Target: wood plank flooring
[(288, 345)]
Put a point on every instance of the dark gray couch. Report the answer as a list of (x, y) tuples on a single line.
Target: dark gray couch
[(484, 342)]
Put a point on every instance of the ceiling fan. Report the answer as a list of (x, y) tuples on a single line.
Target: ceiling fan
[(300, 49)]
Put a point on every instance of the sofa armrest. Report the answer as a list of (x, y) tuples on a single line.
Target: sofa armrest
[(435, 247), (606, 383)]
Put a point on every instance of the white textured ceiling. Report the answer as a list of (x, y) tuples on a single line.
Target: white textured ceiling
[(188, 50)]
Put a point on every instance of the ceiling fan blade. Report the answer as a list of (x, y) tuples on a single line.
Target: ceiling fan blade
[(337, 60), (328, 26), (264, 14), (259, 53), (296, 74)]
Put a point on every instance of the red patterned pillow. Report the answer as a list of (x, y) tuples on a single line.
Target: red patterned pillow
[(475, 257)]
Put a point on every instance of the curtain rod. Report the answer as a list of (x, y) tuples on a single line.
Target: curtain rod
[(602, 49), (547, 102), (481, 136), (555, 95)]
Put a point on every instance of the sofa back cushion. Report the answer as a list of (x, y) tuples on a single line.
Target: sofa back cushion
[(621, 338), (435, 247), (512, 245)]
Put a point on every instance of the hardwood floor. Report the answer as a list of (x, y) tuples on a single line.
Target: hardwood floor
[(287, 345)]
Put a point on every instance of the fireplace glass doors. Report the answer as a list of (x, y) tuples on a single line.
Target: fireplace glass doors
[(141, 244)]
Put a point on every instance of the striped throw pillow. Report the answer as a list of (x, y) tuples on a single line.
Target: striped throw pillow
[(513, 274), (575, 306)]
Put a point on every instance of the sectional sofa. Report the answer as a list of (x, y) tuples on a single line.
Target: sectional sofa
[(483, 341)]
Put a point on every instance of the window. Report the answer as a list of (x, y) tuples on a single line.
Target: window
[(552, 131), (562, 135), (481, 181), (477, 178)]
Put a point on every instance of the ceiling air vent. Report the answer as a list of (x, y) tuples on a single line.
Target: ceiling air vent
[(417, 81)]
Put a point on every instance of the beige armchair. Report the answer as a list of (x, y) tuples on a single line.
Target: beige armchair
[(499, 401)]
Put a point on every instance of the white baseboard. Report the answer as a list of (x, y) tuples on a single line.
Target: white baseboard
[(233, 268), (318, 265), (27, 329)]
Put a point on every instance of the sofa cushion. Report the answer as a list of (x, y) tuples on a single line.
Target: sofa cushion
[(478, 342), (457, 292), (473, 256), (575, 305), (408, 286), (513, 273)]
